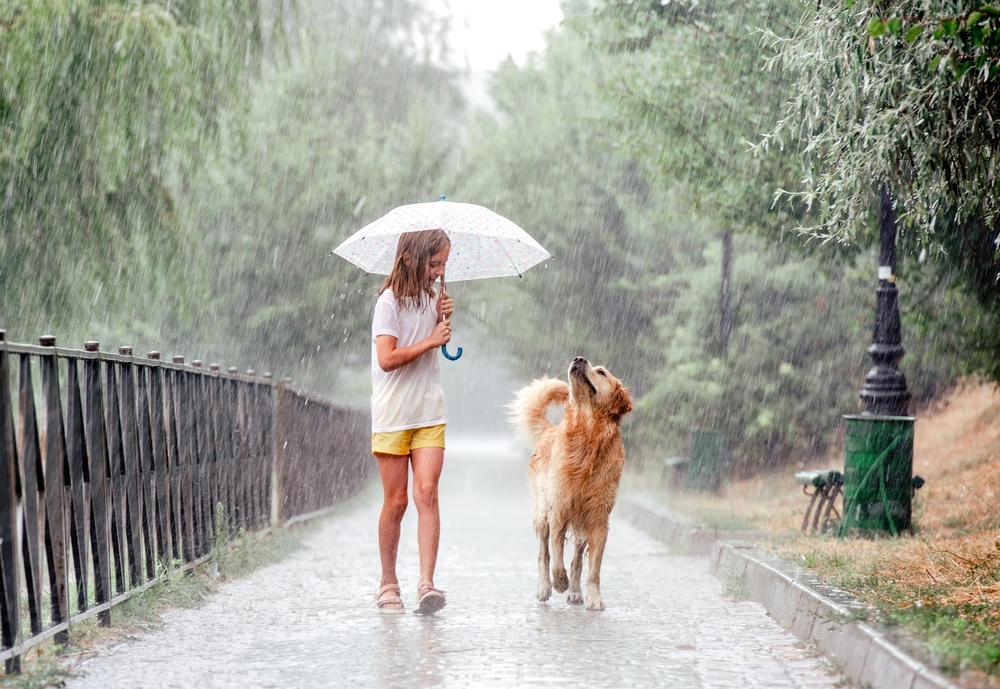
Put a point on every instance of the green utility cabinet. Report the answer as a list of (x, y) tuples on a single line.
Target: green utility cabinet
[(706, 460), (878, 474)]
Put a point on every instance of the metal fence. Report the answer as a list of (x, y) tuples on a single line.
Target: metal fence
[(118, 469)]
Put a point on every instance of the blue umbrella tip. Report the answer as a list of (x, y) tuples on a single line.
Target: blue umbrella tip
[(443, 197)]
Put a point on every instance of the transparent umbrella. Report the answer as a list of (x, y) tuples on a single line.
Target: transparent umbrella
[(484, 244)]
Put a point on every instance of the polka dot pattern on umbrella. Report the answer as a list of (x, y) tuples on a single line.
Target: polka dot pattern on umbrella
[(483, 243)]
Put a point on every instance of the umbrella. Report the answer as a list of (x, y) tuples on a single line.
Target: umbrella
[(483, 243)]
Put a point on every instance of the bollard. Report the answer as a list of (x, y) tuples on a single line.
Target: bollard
[(155, 356), (878, 474), (178, 359), (92, 346), (125, 351)]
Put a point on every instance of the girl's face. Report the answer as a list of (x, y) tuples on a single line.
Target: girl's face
[(435, 265)]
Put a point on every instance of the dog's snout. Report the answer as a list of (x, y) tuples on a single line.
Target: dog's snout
[(578, 360)]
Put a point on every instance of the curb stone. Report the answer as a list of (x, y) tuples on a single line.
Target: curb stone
[(676, 530), (865, 655)]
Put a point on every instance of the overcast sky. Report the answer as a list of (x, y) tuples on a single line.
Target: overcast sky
[(486, 31)]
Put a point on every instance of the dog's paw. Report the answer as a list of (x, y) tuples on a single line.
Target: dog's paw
[(595, 603), (544, 592), (560, 582), (575, 598)]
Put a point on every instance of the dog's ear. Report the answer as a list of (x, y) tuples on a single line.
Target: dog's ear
[(621, 402)]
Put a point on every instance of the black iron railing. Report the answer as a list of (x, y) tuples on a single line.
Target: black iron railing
[(117, 469)]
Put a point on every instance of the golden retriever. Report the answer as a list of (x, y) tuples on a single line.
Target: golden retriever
[(574, 471)]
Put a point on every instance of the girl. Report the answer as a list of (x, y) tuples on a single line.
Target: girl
[(408, 412)]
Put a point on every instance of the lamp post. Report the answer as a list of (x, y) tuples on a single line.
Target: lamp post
[(885, 392), (878, 445)]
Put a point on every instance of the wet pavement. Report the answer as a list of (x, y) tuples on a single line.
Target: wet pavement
[(309, 622)]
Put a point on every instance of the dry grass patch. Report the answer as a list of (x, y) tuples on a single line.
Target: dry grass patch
[(941, 585)]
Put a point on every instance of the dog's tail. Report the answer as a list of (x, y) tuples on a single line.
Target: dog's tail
[(527, 411)]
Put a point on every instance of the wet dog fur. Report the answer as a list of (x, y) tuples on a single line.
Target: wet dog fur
[(574, 472)]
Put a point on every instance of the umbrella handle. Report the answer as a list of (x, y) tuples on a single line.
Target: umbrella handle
[(449, 357), (444, 347)]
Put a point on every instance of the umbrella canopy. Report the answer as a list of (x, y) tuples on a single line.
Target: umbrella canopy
[(483, 243)]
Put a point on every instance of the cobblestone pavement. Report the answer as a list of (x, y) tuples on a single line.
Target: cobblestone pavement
[(309, 622)]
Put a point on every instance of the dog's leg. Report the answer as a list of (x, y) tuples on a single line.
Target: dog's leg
[(575, 596), (560, 582), (598, 537), (544, 585)]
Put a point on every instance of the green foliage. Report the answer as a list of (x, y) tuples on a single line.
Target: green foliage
[(636, 277), (901, 92), (101, 106), (687, 82), (904, 93), (548, 163), (358, 125)]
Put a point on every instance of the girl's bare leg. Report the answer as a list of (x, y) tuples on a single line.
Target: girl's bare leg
[(427, 463), (394, 470)]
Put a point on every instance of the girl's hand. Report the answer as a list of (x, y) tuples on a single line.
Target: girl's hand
[(445, 306), (441, 334)]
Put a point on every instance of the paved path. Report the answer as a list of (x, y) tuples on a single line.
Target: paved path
[(308, 621)]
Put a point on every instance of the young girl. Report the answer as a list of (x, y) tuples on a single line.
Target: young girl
[(408, 413)]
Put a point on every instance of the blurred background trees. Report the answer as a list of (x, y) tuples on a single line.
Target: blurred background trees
[(173, 177)]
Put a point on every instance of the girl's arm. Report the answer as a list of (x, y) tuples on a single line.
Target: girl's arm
[(391, 357)]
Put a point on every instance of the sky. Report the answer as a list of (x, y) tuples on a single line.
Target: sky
[(486, 31)]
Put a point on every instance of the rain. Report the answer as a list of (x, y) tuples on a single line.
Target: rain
[(718, 185)]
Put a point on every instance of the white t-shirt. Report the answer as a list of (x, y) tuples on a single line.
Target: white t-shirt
[(411, 396)]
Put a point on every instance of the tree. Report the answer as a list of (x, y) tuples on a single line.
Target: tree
[(103, 108), (548, 163), (362, 122), (635, 280), (881, 96), (903, 93)]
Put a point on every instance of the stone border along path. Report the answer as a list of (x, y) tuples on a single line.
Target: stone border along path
[(308, 621), (796, 600)]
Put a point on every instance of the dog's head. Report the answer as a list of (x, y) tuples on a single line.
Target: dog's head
[(598, 389)]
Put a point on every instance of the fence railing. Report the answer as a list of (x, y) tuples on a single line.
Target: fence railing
[(117, 469)]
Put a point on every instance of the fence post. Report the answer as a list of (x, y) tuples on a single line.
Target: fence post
[(79, 477), (145, 469), (130, 453), (172, 425), (55, 488), (185, 438), (116, 462), (203, 528), (217, 466), (158, 438), (99, 482), (252, 446), (34, 482), (270, 514), (10, 580)]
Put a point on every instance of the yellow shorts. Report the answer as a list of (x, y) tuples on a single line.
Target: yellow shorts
[(401, 442)]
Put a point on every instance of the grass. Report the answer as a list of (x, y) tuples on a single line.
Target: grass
[(735, 586), (946, 597), (941, 585)]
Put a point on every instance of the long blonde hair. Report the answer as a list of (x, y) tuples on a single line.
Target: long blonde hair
[(409, 283)]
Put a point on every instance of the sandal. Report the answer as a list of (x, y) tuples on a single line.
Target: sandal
[(388, 602), (429, 599)]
